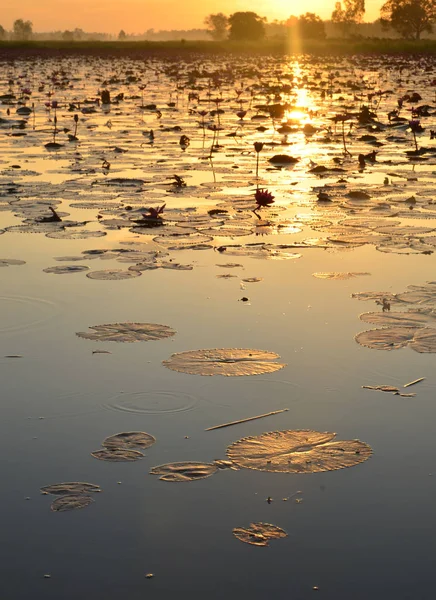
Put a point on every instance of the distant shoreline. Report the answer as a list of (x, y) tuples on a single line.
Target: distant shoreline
[(49, 49)]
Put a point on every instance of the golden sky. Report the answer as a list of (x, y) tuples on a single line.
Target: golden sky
[(136, 16)]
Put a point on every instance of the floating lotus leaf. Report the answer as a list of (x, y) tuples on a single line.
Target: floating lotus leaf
[(6, 262), (399, 319), (66, 270), (377, 296), (391, 338), (71, 488), (184, 471), (229, 362), (129, 439), (299, 451), (75, 235), (127, 332), (424, 340), (113, 274), (229, 265), (117, 455), (341, 276), (403, 231), (65, 503), (259, 534), (252, 280)]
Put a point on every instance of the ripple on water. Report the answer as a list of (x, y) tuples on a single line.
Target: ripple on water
[(18, 313), (152, 402)]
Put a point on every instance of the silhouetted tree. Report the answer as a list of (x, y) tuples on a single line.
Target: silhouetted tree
[(311, 26), (122, 35), (410, 18), (246, 26), (349, 15), (22, 30), (68, 36), (79, 34), (3, 33), (217, 26)]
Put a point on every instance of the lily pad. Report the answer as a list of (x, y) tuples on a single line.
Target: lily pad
[(298, 451), (399, 319), (113, 275), (184, 471), (71, 488), (424, 340), (129, 439), (127, 332), (117, 455), (229, 362), (259, 534), (341, 276), (6, 262), (64, 503), (391, 338)]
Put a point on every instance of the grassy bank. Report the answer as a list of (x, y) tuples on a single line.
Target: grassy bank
[(142, 49)]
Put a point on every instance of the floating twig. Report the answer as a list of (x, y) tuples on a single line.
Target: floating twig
[(413, 382), (275, 412)]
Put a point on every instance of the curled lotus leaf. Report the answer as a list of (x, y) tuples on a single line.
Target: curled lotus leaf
[(129, 439), (117, 455), (64, 503), (376, 296), (340, 276), (424, 340), (229, 362), (113, 275), (259, 534), (391, 338), (127, 332), (71, 488), (7, 262), (66, 269), (298, 451), (399, 319), (184, 471)]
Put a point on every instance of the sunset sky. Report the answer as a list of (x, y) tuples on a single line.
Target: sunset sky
[(136, 16)]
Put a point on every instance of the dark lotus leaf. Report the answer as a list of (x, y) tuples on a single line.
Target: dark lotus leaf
[(298, 451), (71, 488), (113, 275), (229, 362), (184, 471), (259, 534), (424, 340), (127, 332), (117, 455), (64, 503), (391, 338), (67, 269), (129, 439)]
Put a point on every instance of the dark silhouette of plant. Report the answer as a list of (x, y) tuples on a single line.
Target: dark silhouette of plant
[(348, 15), (22, 30), (246, 26), (410, 18), (217, 26), (122, 35), (311, 26), (3, 33)]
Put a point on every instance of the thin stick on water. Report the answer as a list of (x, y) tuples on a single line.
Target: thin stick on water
[(275, 412), (413, 382)]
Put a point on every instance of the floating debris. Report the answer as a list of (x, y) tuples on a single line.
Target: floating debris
[(127, 332), (259, 534), (184, 471)]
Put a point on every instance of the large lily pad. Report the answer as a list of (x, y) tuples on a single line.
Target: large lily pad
[(113, 275), (340, 276), (298, 451), (259, 534), (391, 338), (64, 503), (71, 488), (129, 439), (424, 340), (184, 471), (229, 362), (412, 318), (127, 332)]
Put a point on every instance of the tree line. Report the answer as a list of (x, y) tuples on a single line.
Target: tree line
[(410, 19)]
